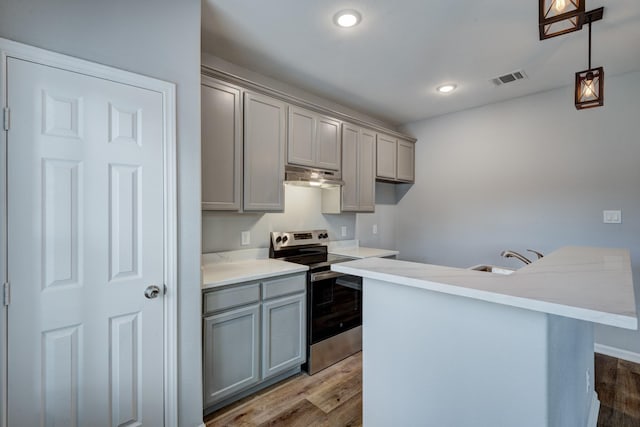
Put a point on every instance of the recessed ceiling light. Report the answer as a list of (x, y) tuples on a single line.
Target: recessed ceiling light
[(447, 88), (347, 18)]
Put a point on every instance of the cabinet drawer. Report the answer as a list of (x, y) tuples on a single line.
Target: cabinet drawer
[(284, 286), (231, 297)]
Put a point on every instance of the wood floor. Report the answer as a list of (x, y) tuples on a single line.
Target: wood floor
[(333, 398), (618, 387)]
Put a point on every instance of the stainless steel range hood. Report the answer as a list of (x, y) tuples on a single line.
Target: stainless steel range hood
[(310, 177)]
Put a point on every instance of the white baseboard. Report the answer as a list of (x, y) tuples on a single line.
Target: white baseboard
[(594, 410), (617, 352)]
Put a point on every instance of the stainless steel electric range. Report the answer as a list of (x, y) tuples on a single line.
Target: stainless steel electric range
[(334, 300)]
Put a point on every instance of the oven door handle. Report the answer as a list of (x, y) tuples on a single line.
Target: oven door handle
[(324, 275)]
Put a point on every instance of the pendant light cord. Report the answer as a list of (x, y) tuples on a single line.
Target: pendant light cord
[(589, 42)]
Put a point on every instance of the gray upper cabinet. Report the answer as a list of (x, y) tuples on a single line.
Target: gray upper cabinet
[(386, 148), (406, 161), (358, 160), (313, 139), (264, 153), (367, 171), (221, 146), (350, 154), (395, 159)]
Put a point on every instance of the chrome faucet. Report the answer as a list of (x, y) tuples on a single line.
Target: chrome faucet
[(538, 254), (514, 254)]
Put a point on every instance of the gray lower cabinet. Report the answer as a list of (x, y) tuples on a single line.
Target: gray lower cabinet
[(283, 333), (231, 343), (252, 332)]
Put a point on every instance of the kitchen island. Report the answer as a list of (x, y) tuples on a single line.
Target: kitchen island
[(446, 346)]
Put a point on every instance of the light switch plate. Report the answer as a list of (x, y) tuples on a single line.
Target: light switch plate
[(246, 238), (612, 217), (344, 231), (375, 229)]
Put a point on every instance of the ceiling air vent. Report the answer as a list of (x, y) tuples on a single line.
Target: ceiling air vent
[(508, 78)]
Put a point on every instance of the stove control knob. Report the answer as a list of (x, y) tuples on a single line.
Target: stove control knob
[(284, 239), (324, 236), (278, 239)]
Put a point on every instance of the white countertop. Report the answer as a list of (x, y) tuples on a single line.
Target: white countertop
[(226, 273), (592, 284), (361, 252), (352, 248)]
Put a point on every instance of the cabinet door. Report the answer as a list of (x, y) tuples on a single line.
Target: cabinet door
[(406, 160), (386, 157), (350, 143), (328, 143), (221, 146), (264, 145), (231, 352), (366, 171), (302, 136), (283, 334)]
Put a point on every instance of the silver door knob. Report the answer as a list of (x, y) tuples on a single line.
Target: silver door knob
[(152, 292)]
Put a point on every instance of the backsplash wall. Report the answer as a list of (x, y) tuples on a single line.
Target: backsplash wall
[(221, 231)]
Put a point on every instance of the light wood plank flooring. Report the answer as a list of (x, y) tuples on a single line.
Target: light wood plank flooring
[(333, 398)]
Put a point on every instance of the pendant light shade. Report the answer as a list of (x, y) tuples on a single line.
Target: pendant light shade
[(590, 88), (559, 17), (590, 83)]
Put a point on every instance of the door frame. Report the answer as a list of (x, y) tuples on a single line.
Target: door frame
[(11, 49)]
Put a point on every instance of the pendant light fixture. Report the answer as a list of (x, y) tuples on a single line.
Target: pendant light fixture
[(559, 17), (589, 90)]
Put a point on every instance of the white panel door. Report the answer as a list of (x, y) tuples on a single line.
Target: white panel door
[(85, 239)]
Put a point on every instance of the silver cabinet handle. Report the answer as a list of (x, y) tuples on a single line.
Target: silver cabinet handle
[(152, 292)]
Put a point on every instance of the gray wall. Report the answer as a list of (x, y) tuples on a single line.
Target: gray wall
[(158, 38), (384, 218), (532, 172), (222, 65), (221, 231)]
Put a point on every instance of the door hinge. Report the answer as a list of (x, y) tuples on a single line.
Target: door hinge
[(6, 118), (6, 290)]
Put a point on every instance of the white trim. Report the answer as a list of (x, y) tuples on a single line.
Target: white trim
[(594, 410), (617, 352), (13, 49)]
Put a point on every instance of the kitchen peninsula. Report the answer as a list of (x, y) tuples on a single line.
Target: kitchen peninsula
[(457, 347)]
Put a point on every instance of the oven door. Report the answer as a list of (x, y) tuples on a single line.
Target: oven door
[(335, 304)]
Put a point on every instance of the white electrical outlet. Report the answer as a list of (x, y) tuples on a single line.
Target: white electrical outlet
[(246, 238), (344, 231), (374, 229), (612, 217)]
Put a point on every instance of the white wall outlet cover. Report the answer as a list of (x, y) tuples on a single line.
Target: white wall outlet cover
[(246, 238), (344, 230), (375, 229), (612, 217)]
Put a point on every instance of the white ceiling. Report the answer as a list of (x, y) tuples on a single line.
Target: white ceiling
[(389, 65)]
